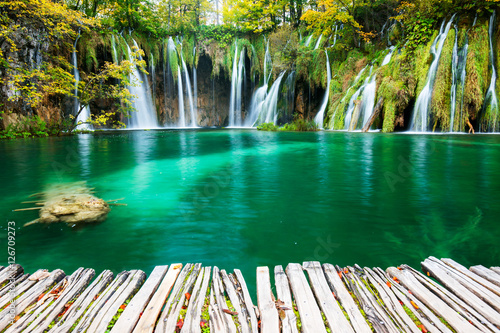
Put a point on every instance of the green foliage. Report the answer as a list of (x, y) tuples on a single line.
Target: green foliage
[(34, 126), (297, 125), (420, 31)]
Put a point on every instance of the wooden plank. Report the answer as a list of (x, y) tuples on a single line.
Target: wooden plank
[(152, 311), (286, 314), (180, 299), (457, 322), (243, 317), (324, 296), (130, 316), (34, 313), (247, 300), (469, 313), (31, 296), (109, 310), (423, 314), (310, 315), (174, 296), (495, 269), (391, 302), (481, 281), (95, 307), (454, 285), (379, 317), (196, 302), (12, 271), (220, 299), (74, 288), (356, 318), (20, 279), (78, 308), (217, 324), (487, 274)]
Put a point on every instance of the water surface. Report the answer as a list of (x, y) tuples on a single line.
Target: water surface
[(245, 198)]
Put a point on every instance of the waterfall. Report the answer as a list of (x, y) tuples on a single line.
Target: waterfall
[(454, 79), (352, 104), (113, 45), (236, 88), (387, 58), (85, 113), (144, 115), (308, 40), (422, 105), (490, 124), (321, 114), (267, 109), (318, 42), (182, 117), (335, 36), (462, 68), (195, 83), (189, 93), (153, 78), (368, 100), (289, 97), (261, 93)]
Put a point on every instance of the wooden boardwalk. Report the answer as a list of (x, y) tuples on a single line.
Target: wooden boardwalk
[(309, 298)]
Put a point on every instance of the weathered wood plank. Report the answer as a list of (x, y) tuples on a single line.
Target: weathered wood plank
[(423, 314), (433, 302), (380, 319), (487, 274), (73, 290), (95, 307), (130, 316), (109, 310), (391, 302), (453, 283), (78, 308), (324, 296), (269, 320), (196, 302), (247, 300), (243, 318), (481, 281), (217, 324), (31, 296), (12, 271), (495, 269), (221, 301), (356, 318), (180, 299), (21, 285), (310, 315), (5, 290), (148, 319), (286, 314), (469, 313)]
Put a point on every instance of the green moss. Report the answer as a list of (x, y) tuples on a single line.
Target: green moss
[(478, 74), (422, 60), (441, 103)]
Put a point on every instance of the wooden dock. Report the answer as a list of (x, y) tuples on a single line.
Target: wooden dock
[(309, 298)]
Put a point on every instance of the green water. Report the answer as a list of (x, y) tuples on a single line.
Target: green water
[(241, 199)]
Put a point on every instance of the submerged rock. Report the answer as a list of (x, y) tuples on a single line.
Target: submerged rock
[(71, 205)]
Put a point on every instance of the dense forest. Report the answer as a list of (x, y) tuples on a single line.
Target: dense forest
[(419, 65)]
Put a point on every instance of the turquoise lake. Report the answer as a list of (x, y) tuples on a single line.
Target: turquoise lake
[(245, 198)]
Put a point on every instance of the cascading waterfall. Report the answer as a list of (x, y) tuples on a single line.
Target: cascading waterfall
[(195, 83), (490, 114), (144, 115), (182, 117), (113, 45), (352, 104), (237, 78), (454, 80), (308, 40), (318, 42), (85, 113), (152, 73), (335, 36), (388, 57), (261, 93), (267, 109), (422, 105), (189, 93), (321, 114), (289, 97), (368, 100), (462, 68)]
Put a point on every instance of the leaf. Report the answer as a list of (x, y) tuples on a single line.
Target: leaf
[(232, 313)]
